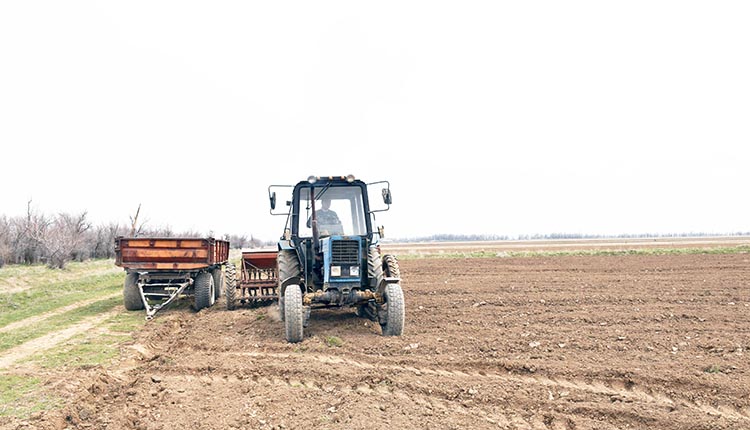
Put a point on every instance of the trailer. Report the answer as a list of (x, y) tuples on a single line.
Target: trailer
[(160, 270), (258, 280)]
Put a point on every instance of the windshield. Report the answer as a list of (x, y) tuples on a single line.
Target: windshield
[(339, 211)]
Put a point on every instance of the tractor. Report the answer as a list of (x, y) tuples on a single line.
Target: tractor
[(329, 255)]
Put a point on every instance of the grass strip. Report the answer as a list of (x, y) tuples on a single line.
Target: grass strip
[(29, 276), (46, 298), (92, 349), (55, 323), (741, 249), (21, 396)]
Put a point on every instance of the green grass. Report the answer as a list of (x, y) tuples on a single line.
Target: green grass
[(741, 249), (714, 369), (21, 396), (47, 289), (92, 349), (126, 322), (82, 351), (55, 323), (334, 341)]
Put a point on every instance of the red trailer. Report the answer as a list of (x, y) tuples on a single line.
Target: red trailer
[(159, 270)]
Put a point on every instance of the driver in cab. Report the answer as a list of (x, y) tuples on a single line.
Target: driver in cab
[(328, 221)]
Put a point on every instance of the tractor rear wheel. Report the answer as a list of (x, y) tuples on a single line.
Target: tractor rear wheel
[(204, 290), (293, 315), (218, 282), (289, 267), (390, 266), (375, 266), (230, 286), (394, 311), (131, 294)]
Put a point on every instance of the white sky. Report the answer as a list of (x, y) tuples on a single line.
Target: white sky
[(486, 117)]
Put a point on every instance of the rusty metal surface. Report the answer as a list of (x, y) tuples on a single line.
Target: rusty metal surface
[(258, 276), (170, 253)]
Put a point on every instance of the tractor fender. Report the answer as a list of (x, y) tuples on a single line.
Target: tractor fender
[(294, 280), (384, 282), (286, 245)]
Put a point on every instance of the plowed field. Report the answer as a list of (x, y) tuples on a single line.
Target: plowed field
[(575, 342)]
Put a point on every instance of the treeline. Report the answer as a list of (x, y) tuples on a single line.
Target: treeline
[(57, 239), (553, 236)]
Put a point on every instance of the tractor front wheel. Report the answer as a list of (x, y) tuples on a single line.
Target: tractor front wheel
[(393, 311), (293, 315), (289, 267)]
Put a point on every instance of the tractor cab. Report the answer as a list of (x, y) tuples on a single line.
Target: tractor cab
[(329, 224)]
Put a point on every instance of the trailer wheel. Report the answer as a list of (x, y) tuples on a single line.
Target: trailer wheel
[(204, 290), (393, 310), (218, 282), (293, 315), (230, 286), (131, 295)]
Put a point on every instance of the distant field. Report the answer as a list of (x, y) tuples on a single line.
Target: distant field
[(515, 248)]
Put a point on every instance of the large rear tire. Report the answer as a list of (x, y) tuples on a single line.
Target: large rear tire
[(394, 311), (293, 314), (204, 291), (289, 267), (374, 265), (230, 286), (391, 267), (218, 282), (374, 271), (131, 295)]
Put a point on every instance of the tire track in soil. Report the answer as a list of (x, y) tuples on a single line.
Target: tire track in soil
[(627, 392), (556, 421), (37, 318), (51, 340)]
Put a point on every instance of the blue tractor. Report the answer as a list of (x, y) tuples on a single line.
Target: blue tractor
[(329, 255)]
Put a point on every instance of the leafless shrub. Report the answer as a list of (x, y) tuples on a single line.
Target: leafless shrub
[(4, 240), (64, 239), (28, 234)]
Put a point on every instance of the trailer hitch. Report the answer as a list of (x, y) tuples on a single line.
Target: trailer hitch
[(175, 289)]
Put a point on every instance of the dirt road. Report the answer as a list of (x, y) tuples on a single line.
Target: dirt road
[(643, 342)]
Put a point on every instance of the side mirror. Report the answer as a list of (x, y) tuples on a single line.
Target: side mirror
[(387, 199), (273, 200)]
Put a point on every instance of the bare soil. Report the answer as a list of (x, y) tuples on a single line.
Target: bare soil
[(641, 342)]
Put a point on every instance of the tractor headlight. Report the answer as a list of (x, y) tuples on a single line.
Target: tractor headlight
[(335, 270), (354, 271), (312, 179), (350, 178)]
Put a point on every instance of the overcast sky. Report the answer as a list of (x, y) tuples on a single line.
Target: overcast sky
[(486, 117)]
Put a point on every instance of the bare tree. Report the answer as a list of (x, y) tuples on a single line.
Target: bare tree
[(135, 228), (64, 238), (5, 232), (30, 235)]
